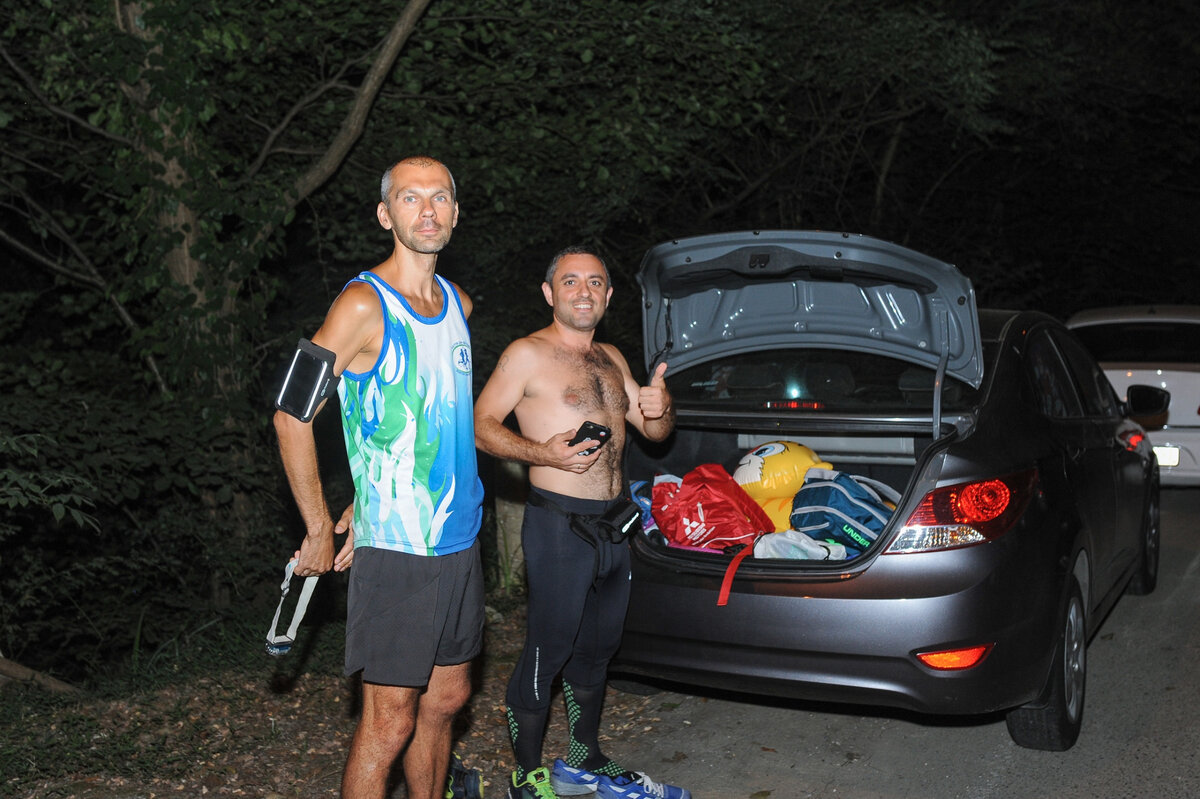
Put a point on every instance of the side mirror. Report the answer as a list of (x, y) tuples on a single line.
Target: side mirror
[(1146, 401)]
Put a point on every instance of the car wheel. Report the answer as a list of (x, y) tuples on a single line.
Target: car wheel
[(1145, 578), (1052, 723)]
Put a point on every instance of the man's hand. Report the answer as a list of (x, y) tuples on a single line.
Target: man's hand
[(345, 556), (561, 455), (653, 400), (315, 555)]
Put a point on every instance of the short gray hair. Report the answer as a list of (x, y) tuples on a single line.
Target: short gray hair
[(385, 185), (575, 249)]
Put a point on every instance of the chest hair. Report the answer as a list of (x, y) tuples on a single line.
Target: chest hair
[(593, 382)]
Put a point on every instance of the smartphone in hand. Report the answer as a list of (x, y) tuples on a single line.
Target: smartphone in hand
[(590, 430)]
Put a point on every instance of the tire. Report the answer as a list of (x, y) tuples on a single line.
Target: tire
[(1052, 723), (1145, 577)]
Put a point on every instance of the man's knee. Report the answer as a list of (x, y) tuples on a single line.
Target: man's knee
[(447, 701), (448, 691), (388, 711), (385, 736)]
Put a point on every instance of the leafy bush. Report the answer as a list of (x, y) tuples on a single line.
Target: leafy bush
[(124, 513)]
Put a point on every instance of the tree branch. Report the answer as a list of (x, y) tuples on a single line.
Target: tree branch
[(937, 184), (51, 264), (90, 278), (268, 146), (355, 121), (885, 166), (12, 670), (54, 109)]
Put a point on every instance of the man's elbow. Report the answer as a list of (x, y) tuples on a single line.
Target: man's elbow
[(659, 429), (288, 427)]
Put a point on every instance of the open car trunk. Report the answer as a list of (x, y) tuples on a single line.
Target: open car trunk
[(904, 460), (864, 352), (889, 458)]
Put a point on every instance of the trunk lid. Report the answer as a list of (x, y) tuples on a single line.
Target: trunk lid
[(730, 293)]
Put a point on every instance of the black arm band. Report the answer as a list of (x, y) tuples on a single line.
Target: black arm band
[(308, 381)]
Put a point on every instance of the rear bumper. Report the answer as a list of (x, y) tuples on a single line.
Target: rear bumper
[(852, 640)]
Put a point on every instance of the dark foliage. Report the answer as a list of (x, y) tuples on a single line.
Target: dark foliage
[(167, 233)]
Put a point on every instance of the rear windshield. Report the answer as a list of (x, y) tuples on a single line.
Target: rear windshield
[(815, 380), (1145, 342)]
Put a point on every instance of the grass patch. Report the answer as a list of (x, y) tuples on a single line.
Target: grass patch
[(160, 714), (201, 712)]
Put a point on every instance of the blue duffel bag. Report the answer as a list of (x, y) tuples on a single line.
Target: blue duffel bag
[(847, 509)]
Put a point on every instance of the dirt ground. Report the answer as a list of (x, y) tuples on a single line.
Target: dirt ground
[(287, 735)]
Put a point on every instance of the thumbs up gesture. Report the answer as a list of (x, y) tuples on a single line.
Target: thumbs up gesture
[(654, 400)]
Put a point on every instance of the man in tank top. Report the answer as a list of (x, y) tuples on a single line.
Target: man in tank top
[(415, 607)]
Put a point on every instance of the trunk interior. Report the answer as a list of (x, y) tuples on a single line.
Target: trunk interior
[(890, 458)]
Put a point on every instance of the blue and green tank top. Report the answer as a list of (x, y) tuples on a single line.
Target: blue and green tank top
[(410, 431)]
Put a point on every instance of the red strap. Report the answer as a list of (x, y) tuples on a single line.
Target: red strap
[(727, 583)]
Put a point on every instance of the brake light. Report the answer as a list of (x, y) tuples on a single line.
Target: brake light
[(955, 659), (794, 405), (965, 514), (984, 501)]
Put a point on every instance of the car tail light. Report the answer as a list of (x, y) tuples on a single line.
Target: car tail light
[(965, 514), (955, 659), (1132, 441)]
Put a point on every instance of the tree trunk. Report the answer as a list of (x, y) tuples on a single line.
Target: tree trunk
[(512, 489)]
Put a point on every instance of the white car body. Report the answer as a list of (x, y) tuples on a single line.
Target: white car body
[(1154, 345)]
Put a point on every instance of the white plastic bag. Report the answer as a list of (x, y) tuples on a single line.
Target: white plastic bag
[(795, 545)]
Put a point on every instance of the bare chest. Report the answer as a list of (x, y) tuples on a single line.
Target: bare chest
[(589, 383)]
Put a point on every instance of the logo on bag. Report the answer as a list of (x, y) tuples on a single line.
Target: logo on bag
[(695, 529), (856, 536)]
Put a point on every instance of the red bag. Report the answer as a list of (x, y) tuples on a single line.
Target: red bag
[(708, 509)]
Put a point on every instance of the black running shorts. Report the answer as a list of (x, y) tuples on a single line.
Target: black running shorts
[(408, 613)]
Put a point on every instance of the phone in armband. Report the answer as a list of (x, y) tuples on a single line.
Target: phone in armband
[(595, 432), (308, 381)]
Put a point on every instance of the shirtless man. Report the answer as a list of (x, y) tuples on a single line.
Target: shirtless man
[(415, 608), (578, 589)]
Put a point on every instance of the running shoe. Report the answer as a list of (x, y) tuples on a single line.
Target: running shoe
[(462, 782), (570, 781), (636, 785), (535, 786)]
